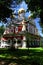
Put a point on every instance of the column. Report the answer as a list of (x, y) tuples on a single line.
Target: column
[(16, 45), (24, 42), (24, 37)]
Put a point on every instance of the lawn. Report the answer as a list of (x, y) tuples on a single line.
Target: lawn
[(31, 56)]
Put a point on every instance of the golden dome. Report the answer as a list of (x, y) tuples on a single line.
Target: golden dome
[(21, 10)]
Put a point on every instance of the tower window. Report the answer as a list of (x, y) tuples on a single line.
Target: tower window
[(16, 29)]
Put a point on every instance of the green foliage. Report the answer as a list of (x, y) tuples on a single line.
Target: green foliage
[(2, 28), (36, 6), (22, 56), (4, 9)]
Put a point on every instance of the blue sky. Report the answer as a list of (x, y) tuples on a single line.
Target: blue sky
[(24, 5), (38, 26), (0, 24)]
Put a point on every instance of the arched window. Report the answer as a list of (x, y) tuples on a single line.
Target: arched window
[(16, 29)]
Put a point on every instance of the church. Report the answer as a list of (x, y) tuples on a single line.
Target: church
[(21, 32)]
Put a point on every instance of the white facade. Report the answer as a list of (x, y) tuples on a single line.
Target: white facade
[(30, 28)]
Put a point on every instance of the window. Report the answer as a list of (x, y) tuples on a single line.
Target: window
[(16, 29), (28, 27), (12, 30)]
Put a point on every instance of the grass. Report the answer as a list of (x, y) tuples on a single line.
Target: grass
[(31, 56)]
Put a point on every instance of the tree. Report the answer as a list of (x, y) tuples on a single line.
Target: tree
[(5, 11), (36, 8), (2, 29)]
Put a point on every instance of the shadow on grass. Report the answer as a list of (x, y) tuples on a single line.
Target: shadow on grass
[(21, 57)]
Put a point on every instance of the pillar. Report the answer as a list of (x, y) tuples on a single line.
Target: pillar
[(16, 45), (24, 37), (21, 13), (24, 42)]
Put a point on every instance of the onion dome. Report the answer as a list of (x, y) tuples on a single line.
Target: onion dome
[(21, 10)]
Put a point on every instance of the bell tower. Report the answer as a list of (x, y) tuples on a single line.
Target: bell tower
[(21, 13)]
